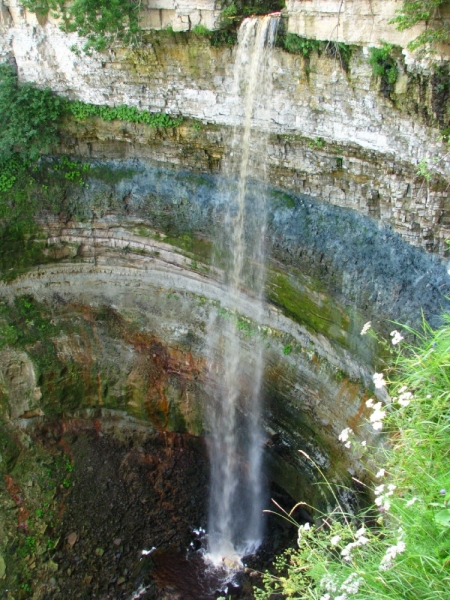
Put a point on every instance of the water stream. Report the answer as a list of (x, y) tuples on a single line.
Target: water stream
[(235, 512)]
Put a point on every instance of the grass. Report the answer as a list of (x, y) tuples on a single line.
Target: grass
[(399, 547)]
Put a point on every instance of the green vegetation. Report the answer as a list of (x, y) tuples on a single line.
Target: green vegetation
[(295, 44), (102, 22), (130, 114), (33, 488), (428, 12), (398, 548), (30, 117), (201, 30), (384, 66)]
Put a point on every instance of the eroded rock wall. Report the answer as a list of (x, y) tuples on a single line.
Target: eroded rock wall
[(126, 264)]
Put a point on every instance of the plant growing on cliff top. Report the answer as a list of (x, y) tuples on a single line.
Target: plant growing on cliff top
[(101, 22), (399, 548), (429, 12)]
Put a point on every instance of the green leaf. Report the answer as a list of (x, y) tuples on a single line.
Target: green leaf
[(443, 517)]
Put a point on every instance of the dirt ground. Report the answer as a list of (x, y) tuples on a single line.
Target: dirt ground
[(85, 507)]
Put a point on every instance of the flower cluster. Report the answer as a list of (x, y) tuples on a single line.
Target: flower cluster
[(360, 540), (387, 560), (350, 587), (378, 380), (396, 337), (344, 436), (366, 328), (382, 496), (405, 397), (301, 531), (377, 416)]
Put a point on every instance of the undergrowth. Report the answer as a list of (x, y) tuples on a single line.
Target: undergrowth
[(398, 548)]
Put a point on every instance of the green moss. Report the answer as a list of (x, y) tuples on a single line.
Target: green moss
[(283, 199), (110, 175), (310, 308), (199, 248)]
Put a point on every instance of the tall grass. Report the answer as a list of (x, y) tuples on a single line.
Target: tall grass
[(399, 548)]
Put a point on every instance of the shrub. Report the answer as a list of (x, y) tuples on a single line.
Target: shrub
[(102, 22), (29, 118), (383, 64)]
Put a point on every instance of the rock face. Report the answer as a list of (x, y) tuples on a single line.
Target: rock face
[(105, 309), (334, 135)]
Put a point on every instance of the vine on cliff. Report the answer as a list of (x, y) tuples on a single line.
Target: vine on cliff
[(428, 11)]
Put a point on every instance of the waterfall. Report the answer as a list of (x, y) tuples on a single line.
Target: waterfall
[(236, 501)]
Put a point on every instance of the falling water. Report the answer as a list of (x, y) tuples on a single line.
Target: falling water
[(235, 515)]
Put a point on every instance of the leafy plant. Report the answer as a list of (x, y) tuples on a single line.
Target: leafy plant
[(30, 119), (429, 12), (82, 110), (343, 52), (201, 30), (316, 143), (102, 22), (384, 66), (230, 11), (295, 44)]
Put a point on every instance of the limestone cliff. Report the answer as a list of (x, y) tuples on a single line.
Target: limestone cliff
[(122, 277)]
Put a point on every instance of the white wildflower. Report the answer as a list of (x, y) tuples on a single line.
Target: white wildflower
[(346, 552), (378, 414), (386, 505), (364, 443), (379, 500), (379, 489), (325, 597), (405, 398), (378, 380), (362, 541), (369, 403), (335, 540), (392, 487), (391, 553), (329, 583), (345, 434), (351, 584), (361, 531), (301, 531), (402, 389), (366, 328), (347, 444), (411, 502), (341, 597), (396, 337), (381, 473)]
